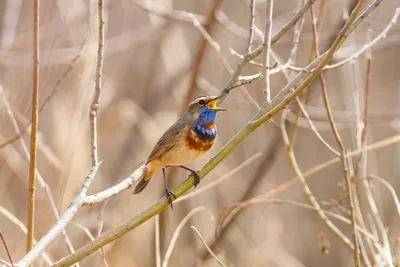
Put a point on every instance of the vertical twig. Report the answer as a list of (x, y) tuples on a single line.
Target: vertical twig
[(34, 128), (79, 199), (177, 232), (267, 51), (208, 248), (157, 237), (251, 25), (98, 87), (335, 131), (201, 48), (306, 189), (7, 250)]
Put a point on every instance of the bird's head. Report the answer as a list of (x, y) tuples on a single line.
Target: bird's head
[(205, 105)]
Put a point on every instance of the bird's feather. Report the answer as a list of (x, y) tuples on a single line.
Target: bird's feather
[(168, 140)]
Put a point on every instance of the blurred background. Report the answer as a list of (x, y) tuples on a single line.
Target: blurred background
[(150, 49)]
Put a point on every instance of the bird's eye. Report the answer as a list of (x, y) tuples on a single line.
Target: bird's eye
[(202, 102)]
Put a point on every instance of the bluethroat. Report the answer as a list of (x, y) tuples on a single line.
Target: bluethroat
[(189, 137)]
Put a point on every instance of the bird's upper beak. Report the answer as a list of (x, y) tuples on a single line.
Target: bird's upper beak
[(212, 104)]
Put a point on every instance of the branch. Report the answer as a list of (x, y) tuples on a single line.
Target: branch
[(267, 51), (78, 201), (201, 48), (306, 189), (23, 228), (116, 189), (208, 248), (7, 250), (274, 39), (178, 231), (339, 141), (34, 128)]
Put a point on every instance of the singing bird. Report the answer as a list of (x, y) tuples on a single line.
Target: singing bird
[(189, 137)]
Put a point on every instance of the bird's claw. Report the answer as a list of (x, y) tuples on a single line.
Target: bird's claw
[(196, 179), (169, 195)]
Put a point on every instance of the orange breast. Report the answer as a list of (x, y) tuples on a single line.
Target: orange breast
[(210, 125), (195, 143)]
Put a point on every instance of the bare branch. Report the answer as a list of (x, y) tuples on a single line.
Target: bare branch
[(208, 248), (34, 128), (157, 238), (7, 250), (306, 189), (177, 232), (23, 228), (79, 199), (267, 51)]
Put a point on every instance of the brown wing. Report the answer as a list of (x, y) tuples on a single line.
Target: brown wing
[(168, 139)]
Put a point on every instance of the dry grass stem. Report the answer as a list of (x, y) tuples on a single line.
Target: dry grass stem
[(267, 51), (312, 171), (78, 201), (157, 239), (91, 237), (335, 131), (23, 228), (42, 182), (7, 250), (208, 248), (306, 189), (178, 231), (34, 129)]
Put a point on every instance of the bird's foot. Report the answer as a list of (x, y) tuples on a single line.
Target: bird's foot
[(169, 195), (196, 179)]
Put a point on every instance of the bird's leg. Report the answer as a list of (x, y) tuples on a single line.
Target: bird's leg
[(168, 193), (195, 174)]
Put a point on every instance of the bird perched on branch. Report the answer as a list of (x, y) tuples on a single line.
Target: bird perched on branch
[(189, 137)]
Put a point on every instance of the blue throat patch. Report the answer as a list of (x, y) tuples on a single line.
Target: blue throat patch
[(206, 116)]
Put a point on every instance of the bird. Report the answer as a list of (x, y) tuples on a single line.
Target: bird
[(189, 137)]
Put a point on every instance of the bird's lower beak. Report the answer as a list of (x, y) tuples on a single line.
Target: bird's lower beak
[(213, 103)]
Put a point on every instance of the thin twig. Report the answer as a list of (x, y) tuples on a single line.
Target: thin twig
[(182, 16), (201, 49), (208, 248), (94, 107), (306, 189), (388, 186), (335, 131), (34, 128), (219, 180), (157, 239), (177, 232), (91, 237), (282, 187), (359, 172), (311, 207), (41, 180), (7, 250), (251, 25), (366, 47), (116, 189), (23, 228), (53, 92), (267, 50), (293, 20), (79, 199)]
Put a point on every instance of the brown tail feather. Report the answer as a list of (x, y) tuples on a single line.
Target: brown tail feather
[(144, 180), (140, 185)]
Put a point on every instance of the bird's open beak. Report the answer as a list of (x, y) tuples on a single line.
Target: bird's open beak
[(212, 104)]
